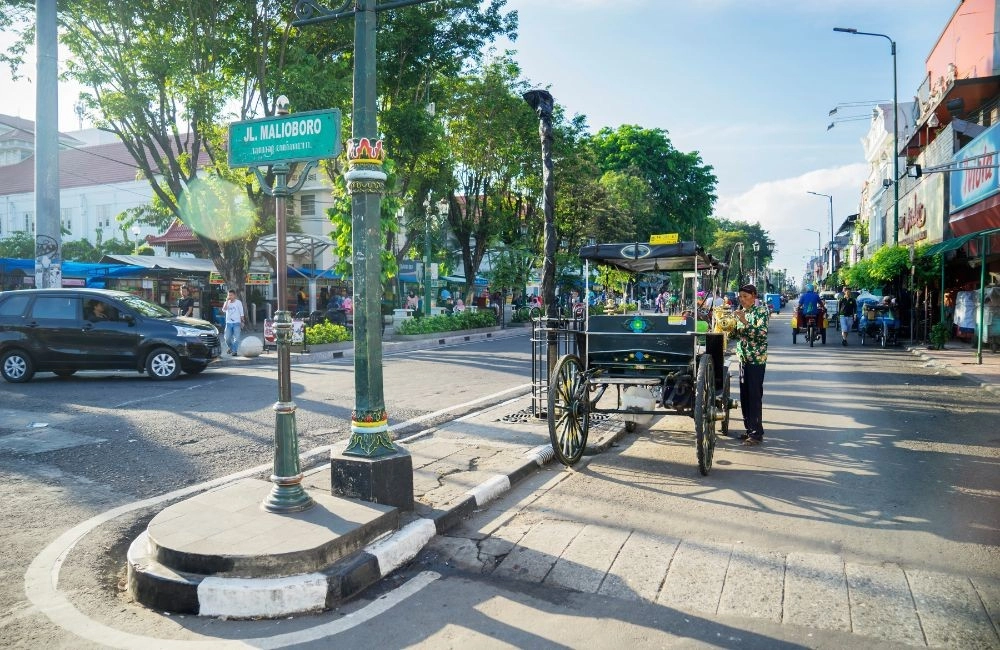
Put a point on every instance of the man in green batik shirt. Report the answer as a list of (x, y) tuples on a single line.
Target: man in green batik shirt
[(751, 348)]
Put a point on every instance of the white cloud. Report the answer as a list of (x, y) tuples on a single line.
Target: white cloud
[(784, 208)]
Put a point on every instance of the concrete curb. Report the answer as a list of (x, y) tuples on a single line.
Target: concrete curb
[(388, 346), (286, 595)]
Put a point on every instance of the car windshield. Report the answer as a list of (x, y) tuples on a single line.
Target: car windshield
[(145, 307)]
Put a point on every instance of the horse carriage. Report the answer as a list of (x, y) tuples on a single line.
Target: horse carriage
[(654, 363)]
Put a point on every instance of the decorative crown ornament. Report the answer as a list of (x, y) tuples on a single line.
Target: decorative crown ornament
[(364, 152)]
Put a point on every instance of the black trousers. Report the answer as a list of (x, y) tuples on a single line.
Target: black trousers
[(752, 398)]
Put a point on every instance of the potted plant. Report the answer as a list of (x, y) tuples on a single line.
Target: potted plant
[(940, 334)]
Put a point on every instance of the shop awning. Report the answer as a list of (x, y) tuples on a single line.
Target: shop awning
[(949, 244), (957, 242)]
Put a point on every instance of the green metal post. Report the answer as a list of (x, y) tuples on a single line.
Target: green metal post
[(981, 331), (366, 183), (287, 495), (427, 262)]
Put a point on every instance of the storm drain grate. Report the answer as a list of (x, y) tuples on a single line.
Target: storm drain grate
[(526, 415)]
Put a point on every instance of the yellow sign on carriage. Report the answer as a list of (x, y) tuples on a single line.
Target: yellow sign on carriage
[(668, 238)]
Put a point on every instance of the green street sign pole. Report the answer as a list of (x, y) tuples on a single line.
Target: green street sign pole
[(278, 141)]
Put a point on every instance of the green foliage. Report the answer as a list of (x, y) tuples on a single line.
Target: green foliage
[(927, 267), (20, 245), (465, 320), (858, 276), (889, 263), (511, 268), (613, 280), (326, 333), (940, 335), (681, 187)]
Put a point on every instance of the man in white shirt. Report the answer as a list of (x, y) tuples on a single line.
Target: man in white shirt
[(235, 317)]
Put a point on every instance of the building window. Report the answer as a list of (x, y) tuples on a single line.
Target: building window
[(308, 205), (104, 216)]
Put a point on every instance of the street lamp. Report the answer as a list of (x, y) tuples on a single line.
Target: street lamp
[(135, 237), (895, 129), (819, 244), (756, 249), (830, 266)]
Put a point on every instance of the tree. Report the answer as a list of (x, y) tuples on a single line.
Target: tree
[(682, 188), (20, 245), (160, 77), (492, 140)]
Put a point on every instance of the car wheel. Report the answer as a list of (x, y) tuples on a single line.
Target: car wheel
[(16, 367), (194, 370), (163, 363), (63, 373)]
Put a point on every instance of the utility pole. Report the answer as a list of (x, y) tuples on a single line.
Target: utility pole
[(48, 238)]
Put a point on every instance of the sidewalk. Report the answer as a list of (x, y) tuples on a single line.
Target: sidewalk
[(960, 359)]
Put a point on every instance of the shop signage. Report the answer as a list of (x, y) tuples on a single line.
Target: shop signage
[(252, 278), (298, 137), (921, 212), (970, 186), (668, 238)]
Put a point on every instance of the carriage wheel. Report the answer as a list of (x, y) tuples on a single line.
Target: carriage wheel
[(569, 410), (704, 413), (725, 403)]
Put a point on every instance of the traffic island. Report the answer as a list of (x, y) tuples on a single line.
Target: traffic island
[(220, 554)]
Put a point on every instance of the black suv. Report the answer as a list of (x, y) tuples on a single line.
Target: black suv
[(65, 330)]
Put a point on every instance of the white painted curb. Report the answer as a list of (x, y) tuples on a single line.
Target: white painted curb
[(490, 489), (264, 597), (402, 546)]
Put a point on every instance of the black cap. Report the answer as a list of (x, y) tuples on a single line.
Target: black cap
[(749, 288)]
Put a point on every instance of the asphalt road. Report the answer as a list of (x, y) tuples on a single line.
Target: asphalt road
[(870, 458)]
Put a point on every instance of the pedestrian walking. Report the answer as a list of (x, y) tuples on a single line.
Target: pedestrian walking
[(847, 308), (751, 348), (302, 300), (235, 318)]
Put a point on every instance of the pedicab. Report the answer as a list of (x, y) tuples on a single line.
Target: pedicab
[(655, 363), (878, 321)]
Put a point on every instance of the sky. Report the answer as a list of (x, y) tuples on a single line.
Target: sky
[(748, 84)]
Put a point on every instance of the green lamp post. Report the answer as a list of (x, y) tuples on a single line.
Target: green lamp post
[(372, 467)]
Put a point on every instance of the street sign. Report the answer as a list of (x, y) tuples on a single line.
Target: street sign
[(298, 137), (669, 238)]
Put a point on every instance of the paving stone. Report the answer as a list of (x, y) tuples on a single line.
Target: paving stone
[(640, 567), (989, 593), (695, 577), (951, 611), (538, 550), (754, 584), (815, 592), (586, 560), (881, 604)]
